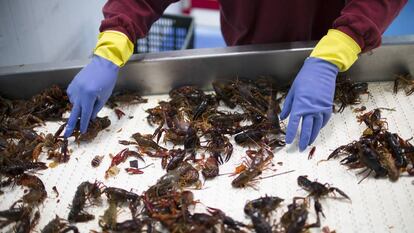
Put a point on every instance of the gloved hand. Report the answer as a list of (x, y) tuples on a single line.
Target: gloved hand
[(89, 91), (93, 85), (310, 98)]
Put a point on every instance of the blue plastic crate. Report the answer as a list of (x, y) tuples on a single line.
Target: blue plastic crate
[(170, 32)]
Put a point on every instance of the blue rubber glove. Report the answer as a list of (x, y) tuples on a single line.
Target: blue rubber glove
[(310, 98), (89, 91)]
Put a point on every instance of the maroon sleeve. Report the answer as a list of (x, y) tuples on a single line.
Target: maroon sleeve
[(366, 20), (132, 17)]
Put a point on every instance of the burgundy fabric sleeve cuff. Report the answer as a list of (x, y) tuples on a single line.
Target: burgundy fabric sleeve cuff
[(133, 18), (366, 20)]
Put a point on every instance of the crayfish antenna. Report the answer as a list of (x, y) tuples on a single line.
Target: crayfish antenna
[(369, 173)]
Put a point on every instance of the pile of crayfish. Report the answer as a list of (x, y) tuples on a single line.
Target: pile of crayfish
[(163, 206), (21, 147), (195, 121), (348, 92), (263, 211), (377, 150), (405, 82), (166, 206)]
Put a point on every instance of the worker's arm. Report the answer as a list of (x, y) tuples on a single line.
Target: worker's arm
[(125, 21), (366, 20), (310, 99), (132, 17)]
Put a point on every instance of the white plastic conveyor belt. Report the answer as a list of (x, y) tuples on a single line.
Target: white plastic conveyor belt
[(377, 205)]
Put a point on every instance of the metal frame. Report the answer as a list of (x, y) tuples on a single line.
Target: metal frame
[(159, 72)]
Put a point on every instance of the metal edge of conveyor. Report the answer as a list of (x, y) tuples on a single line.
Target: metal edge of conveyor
[(159, 72)]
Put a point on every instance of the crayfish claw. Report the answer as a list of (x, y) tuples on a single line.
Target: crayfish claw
[(318, 208), (342, 193), (213, 211), (218, 157), (227, 158)]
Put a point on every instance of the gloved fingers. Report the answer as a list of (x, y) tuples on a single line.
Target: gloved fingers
[(292, 128), (326, 116), (317, 125), (69, 94), (87, 107), (306, 131), (287, 105), (98, 106), (73, 118)]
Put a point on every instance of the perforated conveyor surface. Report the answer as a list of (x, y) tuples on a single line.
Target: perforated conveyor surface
[(378, 205)]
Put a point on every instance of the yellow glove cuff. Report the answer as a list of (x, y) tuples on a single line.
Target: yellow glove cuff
[(338, 48), (114, 46)]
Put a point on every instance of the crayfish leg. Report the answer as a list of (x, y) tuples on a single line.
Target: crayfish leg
[(369, 173), (342, 193), (318, 210)]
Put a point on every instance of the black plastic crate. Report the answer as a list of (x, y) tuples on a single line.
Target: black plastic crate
[(170, 32)]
